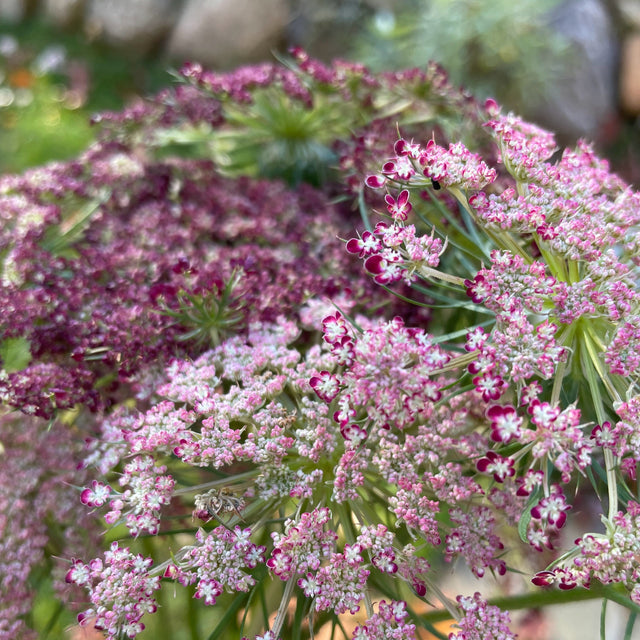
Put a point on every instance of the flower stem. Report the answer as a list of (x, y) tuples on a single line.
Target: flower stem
[(284, 605), (593, 370), (449, 610), (544, 598), (428, 272), (557, 383), (501, 239)]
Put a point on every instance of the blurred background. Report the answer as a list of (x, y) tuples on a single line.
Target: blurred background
[(570, 65)]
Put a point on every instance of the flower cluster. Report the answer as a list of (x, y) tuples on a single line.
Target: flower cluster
[(481, 621), (569, 306), (453, 167), (39, 512), (121, 590), (296, 120), (608, 557), (264, 420), (110, 266), (395, 253), (303, 545), (229, 407), (217, 561), (388, 622)]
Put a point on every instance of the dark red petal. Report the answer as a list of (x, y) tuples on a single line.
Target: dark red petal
[(354, 245), (373, 264), (403, 197), (375, 182), (543, 579), (400, 147)]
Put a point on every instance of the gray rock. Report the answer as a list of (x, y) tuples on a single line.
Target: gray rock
[(224, 33), (63, 12), (135, 24), (326, 29), (630, 75), (12, 10), (630, 12), (580, 101)]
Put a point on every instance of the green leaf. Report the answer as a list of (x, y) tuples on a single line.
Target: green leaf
[(228, 616), (302, 606), (59, 239), (15, 354), (628, 631), (603, 620)]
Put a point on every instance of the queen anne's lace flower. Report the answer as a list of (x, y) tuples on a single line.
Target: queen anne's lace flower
[(257, 397), (120, 589)]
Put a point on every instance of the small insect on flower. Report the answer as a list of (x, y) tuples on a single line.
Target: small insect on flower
[(215, 502)]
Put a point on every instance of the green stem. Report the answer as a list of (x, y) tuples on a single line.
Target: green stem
[(163, 612), (223, 482), (594, 347), (574, 271), (428, 272), (284, 605), (447, 299), (417, 303), (557, 266), (450, 611), (192, 620), (470, 221), (457, 243), (543, 598), (630, 624), (557, 382), (593, 370), (364, 214), (456, 363), (610, 466), (502, 239)]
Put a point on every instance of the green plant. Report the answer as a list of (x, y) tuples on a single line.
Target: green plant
[(50, 84), (495, 48)]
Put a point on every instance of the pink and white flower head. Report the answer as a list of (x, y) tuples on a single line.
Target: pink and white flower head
[(506, 424), (494, 464), (334, 327), (96, 495), (400, 207), (326, 385)]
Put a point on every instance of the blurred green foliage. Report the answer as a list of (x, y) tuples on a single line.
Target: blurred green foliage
[(283, 138), (51, 82), (494, 48), (38, 126)]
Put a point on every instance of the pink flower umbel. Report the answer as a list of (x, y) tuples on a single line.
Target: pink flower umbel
[(303, 545), (292, 418), (481, 620), (400, 207), (120, 589), (389, 622), (326, 385), (501, 468)]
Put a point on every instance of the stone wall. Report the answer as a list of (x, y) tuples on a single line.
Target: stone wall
[(219, 33), (222, 34)]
